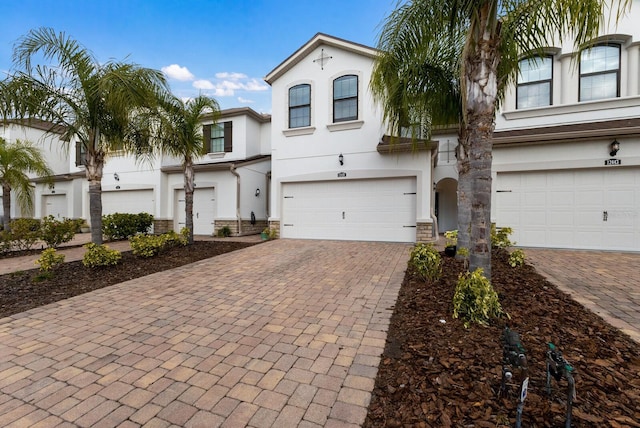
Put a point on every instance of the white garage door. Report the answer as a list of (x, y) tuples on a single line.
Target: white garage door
[(128, 201), (367, 210), (204, 209), (597, 209), (55, 205)]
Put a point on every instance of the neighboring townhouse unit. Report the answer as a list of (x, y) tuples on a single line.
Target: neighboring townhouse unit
[(334, 173), (232, 179), (566, 165)]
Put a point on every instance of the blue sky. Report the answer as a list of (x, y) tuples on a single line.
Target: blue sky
[(219, 48)]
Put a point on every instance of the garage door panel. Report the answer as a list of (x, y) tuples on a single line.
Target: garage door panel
[(128, 201), (204, 208), (376, 210), (55, 205), (591, 209)]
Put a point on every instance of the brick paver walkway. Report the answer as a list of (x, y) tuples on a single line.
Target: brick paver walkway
[(287, 333), (607, 283)]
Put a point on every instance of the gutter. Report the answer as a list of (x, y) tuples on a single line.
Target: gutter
[(232, 169), (436, 234)]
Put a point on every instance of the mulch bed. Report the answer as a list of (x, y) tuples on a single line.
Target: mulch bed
[(21, 291), (439, 374)]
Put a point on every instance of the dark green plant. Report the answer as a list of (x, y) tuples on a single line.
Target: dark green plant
[(151, 245), (100, 255), (54, 232), (224, 232), (6, 242), (25, 232), (475, 300), (118, 226), (427, 262)]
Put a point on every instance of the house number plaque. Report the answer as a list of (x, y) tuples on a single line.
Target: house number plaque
[(613, 162)]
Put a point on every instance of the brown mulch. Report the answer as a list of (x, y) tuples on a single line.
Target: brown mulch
[(439, 374), (21, 291)]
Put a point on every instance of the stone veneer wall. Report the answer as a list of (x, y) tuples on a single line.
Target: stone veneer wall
[(275, 224), (162, 226), (424, 232), (247, 227)]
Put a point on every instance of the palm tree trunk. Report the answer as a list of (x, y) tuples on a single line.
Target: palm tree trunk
[(6, 207), (188, 197), (480, 91), (94, 167), (464, 191)]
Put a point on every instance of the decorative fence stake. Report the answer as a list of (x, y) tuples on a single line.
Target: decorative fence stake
[(558, 367), (513, 357)]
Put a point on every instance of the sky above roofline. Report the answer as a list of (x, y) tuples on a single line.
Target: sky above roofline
[(218, 48)]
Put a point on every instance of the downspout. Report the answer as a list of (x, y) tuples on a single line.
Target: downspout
[(434, 154), (268, 189), (232, 168)]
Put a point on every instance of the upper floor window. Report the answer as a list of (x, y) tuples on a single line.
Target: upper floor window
[(81, 154), (345, 98), (300, 106), (218, 137), (535, 82), (600, 72)]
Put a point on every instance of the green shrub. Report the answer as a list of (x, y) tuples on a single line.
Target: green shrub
[(54, 232), (100, 255), (25, 232), (49, 260), (427, 262), (122, 226), (224, 232), (6, 242), (151, 245), (516, 258), (451, 237), (500, 237), (475, 300)]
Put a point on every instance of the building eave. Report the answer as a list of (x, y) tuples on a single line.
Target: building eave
[(217, 166), (391, 145)]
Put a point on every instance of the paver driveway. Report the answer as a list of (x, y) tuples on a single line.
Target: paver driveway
[(282, 334)]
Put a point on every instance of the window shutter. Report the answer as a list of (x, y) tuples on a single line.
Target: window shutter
[(228, 142), (79, 154), (206, 139)]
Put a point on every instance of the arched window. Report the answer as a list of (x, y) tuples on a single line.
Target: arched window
[(300, 106), (600, 72), (345, 98), (535, 82)]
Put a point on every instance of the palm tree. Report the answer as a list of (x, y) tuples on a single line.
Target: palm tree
[(16, 160), (179, 134), (487, 38), (95, 102)]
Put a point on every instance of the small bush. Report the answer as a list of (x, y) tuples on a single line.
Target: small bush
[(451, 237), (500, 237), (122, 226), (151, 245), (224, 232), (475, 300), (427, 262), (54, 232), (25, 232), (516, 258), (50, 260), (6, 242), (100, 255)]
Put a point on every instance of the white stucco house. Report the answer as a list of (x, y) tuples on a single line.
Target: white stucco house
[(333, 176)]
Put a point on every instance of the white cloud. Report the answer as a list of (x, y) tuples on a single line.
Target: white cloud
[(245, 101), (203, 84), (255, 85), (174, 71), (232, 75)]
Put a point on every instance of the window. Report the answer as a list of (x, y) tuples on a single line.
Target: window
[(81, 154), (345, 98), (535, 82), (600, 72), (217, 137), (300, 106)]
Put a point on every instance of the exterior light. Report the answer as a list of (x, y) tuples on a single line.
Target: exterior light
[(341, 159), (615, 146), (257, 192), (116, 176)]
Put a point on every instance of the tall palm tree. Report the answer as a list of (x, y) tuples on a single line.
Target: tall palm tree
[(95, 102), (179, 134), (16, 161), (488, 37)]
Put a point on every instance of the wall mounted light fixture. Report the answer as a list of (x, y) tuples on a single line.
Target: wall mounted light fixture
[(341, 159), (116, 176), (257, 192), (615, 146)]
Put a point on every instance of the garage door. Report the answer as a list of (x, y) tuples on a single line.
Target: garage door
[(204, 208), (597, 209), (55, 205), (367, 210), (128, 201)]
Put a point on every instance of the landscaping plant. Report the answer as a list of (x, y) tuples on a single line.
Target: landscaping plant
[(54, 232), (118, 226), (25, 232), (100, 255), (475, 300), (49, 260), (151, 245), (427, 262), (516, 258)]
